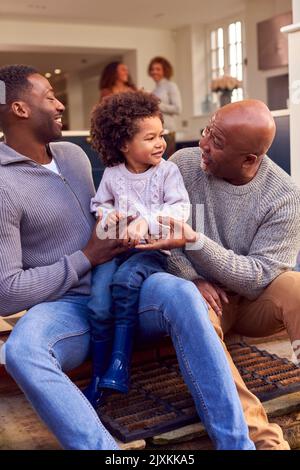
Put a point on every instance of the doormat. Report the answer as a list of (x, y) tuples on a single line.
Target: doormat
[(159, 400)]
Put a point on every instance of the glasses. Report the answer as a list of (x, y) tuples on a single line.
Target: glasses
[(207, 133)]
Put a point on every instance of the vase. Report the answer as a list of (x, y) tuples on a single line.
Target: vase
[(225, 97)]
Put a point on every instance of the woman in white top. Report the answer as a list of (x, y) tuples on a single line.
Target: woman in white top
[(167, 91)]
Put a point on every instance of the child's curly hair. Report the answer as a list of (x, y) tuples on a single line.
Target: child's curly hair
[(115, 122)]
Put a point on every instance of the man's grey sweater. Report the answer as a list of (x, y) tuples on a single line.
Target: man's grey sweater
[(44, 224), (251, 233)]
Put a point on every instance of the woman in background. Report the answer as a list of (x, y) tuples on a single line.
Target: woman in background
[(115, 78), (167, 91)]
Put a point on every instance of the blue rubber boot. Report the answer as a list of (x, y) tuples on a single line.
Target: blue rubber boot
[(117, 376), (101, 354)]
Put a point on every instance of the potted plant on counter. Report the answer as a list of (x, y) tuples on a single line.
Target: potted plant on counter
[(224, 86)]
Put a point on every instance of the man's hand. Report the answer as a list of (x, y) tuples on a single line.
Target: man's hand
[(213, 295), (105, 244), (173, 234)]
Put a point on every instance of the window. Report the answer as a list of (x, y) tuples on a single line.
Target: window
[(217, 52), (226, 53)]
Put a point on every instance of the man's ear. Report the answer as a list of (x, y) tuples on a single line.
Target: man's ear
[(20, 109), (250, 160)]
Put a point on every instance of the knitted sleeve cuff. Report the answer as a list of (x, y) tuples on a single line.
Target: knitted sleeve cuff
[(80, 263)]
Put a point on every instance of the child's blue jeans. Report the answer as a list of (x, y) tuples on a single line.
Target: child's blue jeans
[(116, 288)]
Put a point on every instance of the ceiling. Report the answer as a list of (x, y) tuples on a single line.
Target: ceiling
[(67, 62), (166, 14), (162, 14)]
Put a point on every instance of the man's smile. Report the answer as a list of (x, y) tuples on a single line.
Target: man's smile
[(58, 120)]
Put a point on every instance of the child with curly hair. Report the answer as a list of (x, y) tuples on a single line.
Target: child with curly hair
[(127, 131)]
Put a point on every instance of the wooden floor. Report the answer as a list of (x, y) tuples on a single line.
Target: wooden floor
[(21, 429)]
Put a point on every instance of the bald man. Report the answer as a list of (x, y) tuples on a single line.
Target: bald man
[(248, 243), (250, 239)]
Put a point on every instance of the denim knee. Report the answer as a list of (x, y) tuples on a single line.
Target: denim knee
[(100, 309), (20, 350), (123, 277), (178, 298), (165, 284), (100, 301)]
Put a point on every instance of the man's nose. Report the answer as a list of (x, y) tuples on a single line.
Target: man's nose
[(204, 142), (60, 107), (201, 142)]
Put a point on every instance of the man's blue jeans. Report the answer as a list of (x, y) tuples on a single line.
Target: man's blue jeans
[(54, 337), (116, 289)]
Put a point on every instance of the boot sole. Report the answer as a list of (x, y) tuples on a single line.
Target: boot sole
[(113, 386)]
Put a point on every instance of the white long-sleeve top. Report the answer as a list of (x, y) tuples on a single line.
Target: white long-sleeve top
[(170, 102), (158, 191)]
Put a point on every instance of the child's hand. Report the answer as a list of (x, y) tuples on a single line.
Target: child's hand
[(137, 230), (173, 234), (113, 218)]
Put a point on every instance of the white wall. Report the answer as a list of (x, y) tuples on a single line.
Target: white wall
[(296, 11), (294, 76), (256, 11), (37, 35), (90, 98), (184, 73), (75, 102), (139, 45), (191, 72), (191, 77), (185, 48), (294, 64)]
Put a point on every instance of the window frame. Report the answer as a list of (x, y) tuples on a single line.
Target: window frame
[(225, 23)]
